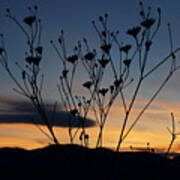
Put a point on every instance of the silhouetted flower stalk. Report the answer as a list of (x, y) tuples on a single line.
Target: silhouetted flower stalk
[(95, 66), (143, 46), (76, 106), (97, 70), (173, 133), (30, 86)]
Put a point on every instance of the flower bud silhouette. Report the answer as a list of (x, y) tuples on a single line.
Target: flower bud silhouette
[(29, 20)]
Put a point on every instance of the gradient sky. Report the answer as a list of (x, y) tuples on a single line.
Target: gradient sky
[(75, 18)]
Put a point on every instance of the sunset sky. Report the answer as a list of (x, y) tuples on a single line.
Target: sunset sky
[(75, 17)]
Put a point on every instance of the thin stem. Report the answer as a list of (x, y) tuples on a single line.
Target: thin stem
[(124, 101), (20, 26), (171, 143), (160, 63), (127, 113), (147, 105), (41, 130)]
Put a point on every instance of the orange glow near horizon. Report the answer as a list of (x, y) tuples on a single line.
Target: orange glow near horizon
[(150, 128), (29, 137)]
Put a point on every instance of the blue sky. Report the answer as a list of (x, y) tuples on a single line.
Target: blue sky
[(75, 18)]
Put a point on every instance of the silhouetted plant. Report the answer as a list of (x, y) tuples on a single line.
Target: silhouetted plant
[(100, 99), (173, 133), (96, 62), (144, 36), (97, 70), (31, 83), (76, 106)]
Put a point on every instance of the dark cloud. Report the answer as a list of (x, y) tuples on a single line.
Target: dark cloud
[(19, 111)]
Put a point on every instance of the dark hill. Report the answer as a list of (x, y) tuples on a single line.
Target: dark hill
[(76, 162)]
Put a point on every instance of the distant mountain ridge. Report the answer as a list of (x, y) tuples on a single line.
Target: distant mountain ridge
[(77, 162)]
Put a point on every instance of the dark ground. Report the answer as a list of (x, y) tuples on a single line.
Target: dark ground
[(76, 162)]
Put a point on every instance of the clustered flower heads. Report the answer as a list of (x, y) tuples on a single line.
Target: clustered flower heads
[(134, 31), (72, 59), (126, 48), (29, 20), (103, 91), (89, 56), (117, 82), (147, 20), (64, 73), (106, 48), (127, 62), (87, 84), (104, 62), (33, 60), (39, 50), (148, 23)]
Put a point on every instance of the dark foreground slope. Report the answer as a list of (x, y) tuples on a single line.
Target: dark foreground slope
[(76, 162)]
